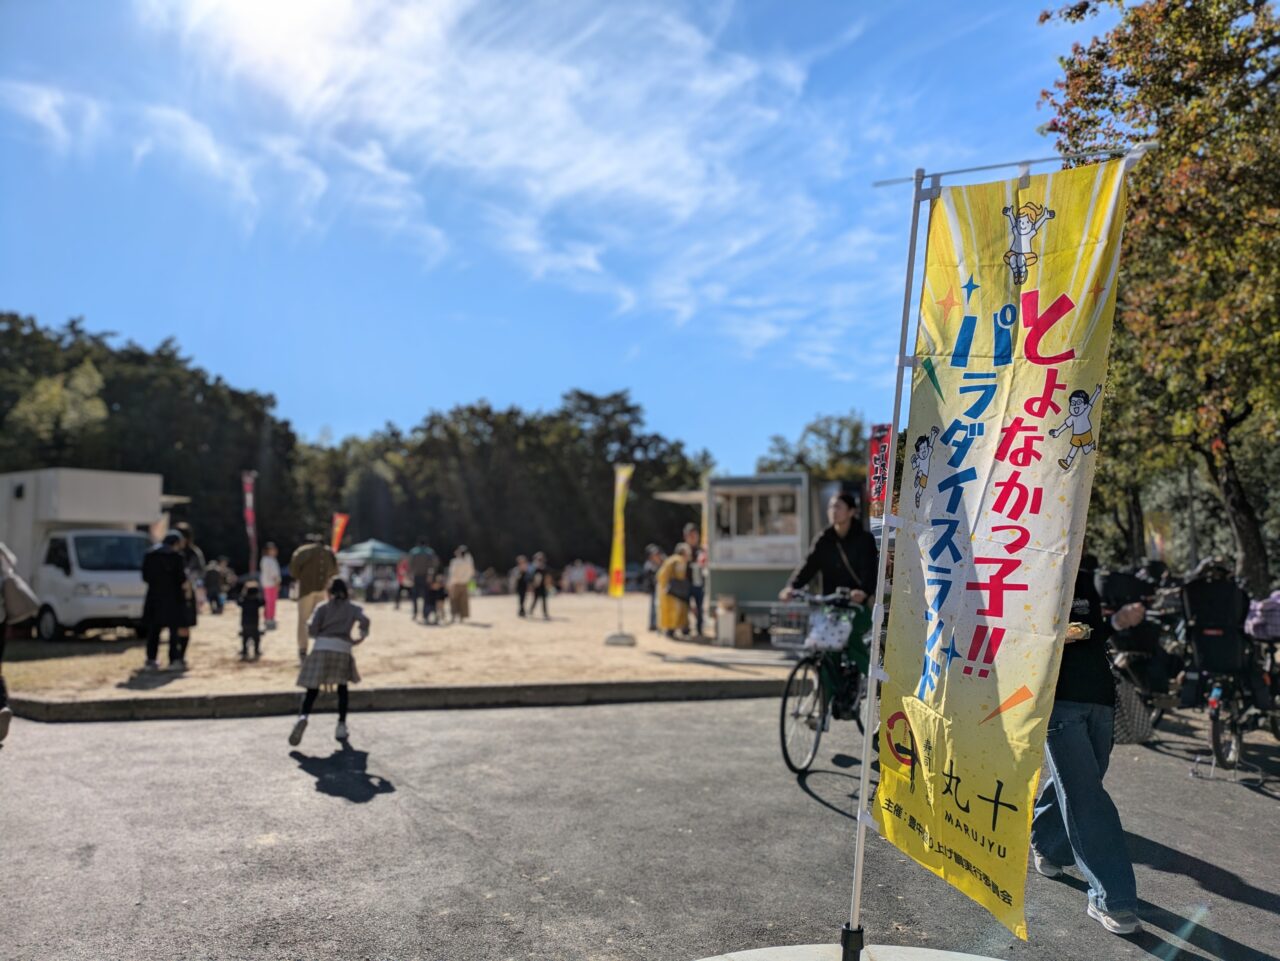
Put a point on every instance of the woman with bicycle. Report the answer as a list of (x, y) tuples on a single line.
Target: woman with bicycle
[(844, 554)]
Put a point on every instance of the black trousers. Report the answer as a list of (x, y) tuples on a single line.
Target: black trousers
[(309, 701), (177, 643), (522, 592), (420, 590), (539, 594), (4, 691), (254, 636)]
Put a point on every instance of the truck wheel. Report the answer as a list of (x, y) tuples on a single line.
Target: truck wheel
[(47, 626)]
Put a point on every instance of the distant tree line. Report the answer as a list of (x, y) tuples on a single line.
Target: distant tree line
[(501, 481)]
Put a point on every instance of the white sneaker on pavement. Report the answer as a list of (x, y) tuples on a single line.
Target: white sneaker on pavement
[(1117, 922), (299, 728), (179, 665), (340, 733), (1045, 866), (151, 667)]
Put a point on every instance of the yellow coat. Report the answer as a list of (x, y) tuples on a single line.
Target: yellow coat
[(673, 613)]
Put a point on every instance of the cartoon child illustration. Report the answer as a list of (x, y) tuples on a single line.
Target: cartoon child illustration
[(1025, 223), (1080, 406), (920, 461)]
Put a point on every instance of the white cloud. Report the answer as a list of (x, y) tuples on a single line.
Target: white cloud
[(65, 119)]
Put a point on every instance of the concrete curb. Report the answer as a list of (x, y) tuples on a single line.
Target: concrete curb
[(173, 707)]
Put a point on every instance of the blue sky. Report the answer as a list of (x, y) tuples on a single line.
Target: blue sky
[(376, 208)]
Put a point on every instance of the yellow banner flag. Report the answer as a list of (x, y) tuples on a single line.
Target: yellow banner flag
[(617, 557), (1006, 405)]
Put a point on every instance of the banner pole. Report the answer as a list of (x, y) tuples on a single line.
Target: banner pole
[(851, 935)]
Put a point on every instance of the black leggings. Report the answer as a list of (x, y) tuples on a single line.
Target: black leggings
[(309, 701), (539, 596)]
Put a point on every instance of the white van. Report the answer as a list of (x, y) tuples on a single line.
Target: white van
[(79, 537), (90, 579)]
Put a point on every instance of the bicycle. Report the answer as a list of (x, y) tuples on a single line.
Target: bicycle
[(829, 682)]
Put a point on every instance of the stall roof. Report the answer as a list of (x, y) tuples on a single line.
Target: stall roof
[(371, 552), (688, 498)]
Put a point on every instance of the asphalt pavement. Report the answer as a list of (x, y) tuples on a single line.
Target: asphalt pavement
[(654, 831)]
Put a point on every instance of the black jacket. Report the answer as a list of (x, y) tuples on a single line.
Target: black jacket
[(1085, 675), (169, 602), (824, 558)]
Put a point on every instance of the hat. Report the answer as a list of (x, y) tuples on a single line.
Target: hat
[(173, 537)]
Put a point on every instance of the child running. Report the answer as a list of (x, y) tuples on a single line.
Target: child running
[(330, 663)]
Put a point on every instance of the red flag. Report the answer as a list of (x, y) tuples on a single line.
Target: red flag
[(339, 528), (878, 473), (247, 478)]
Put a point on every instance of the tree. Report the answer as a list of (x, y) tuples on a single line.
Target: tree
[(58, 409), (833, 447), (1200, 279)]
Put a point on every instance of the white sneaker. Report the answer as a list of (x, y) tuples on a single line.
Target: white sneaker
[(1117, 922), (299, 728), (179, 665), (151, 667), (1046, 867), (340, 733), (6, 716)]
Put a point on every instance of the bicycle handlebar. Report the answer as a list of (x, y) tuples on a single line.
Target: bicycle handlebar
[(840, 598)]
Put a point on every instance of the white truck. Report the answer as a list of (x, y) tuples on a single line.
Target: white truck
[(79, 537)]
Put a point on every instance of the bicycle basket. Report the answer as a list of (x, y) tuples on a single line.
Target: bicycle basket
[(828, 631), (788, 625)]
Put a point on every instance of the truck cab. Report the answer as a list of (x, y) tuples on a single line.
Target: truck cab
[(89, 579)]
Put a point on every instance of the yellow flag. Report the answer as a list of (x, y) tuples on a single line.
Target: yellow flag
[(1006, 416), (617, 557)]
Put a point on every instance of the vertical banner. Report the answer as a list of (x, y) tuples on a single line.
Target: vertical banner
[(617, 557), (247, 479), (339, 528), (878, 469), (1006, 405)]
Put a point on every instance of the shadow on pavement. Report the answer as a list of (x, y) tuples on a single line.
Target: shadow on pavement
[(1189, 930), (32, 650), (804, 781), (344, 774), (149, 680), (1211, 877)]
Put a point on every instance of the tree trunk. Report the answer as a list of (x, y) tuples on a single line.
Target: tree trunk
[(1137, 527), (1251, 549)]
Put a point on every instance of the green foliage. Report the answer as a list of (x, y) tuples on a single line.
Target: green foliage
[(834, 447), (501, 481), (1198, 337)]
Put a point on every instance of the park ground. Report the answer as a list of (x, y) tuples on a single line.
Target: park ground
[(494, 646), (606, 833)]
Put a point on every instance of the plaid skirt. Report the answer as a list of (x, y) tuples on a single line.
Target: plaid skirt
[(325, 669)]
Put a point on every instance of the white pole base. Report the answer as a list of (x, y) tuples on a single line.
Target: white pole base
[(621, 640), (831, 952)]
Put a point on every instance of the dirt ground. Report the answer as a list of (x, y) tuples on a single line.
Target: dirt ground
[(493, 647)]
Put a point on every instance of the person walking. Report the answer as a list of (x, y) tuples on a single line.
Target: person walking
[(17, 604), (522, 578), (213, 587), (271, 579), (313, 566), (540, 584), (404, 583), (170, 601), (422, 568), (697, 574), (193, 561), (461, 570), (1075, 821), (653, 558), (673, 591), (251, 604), (330, 663)]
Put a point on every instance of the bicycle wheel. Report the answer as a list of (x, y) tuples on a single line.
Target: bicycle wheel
[(804, 714), (1225, 736), (1132, 717)]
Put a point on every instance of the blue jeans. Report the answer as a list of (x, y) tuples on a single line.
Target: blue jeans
[(696, 600), (1075, 819)]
